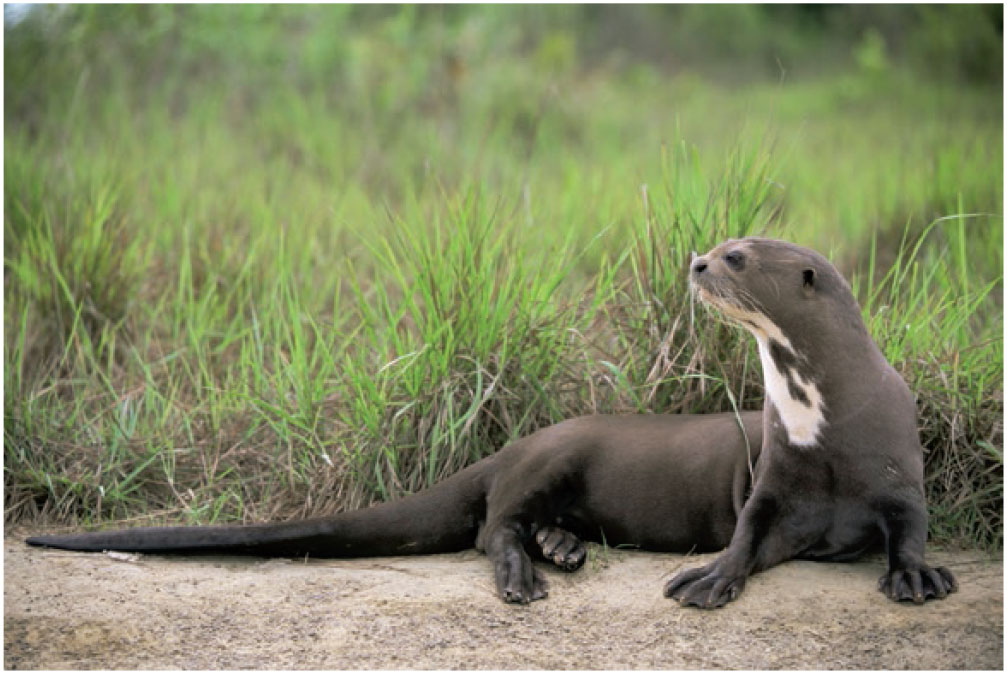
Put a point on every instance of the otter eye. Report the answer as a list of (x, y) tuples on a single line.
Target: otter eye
[(735, 260)]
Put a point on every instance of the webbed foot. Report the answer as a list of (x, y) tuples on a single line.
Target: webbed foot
[(704, 587), (561, 548), (917, 583), (517, 579)]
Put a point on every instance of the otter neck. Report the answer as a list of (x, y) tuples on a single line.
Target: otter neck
[(790, 385), (792, 391)]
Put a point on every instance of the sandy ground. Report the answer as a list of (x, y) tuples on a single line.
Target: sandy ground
[(66, 610)]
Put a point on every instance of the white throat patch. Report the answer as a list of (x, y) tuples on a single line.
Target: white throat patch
[(796, 398)]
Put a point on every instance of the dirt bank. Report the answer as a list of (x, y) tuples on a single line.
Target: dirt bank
[(71, 611)]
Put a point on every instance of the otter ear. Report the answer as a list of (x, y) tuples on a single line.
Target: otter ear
[(809, 281)]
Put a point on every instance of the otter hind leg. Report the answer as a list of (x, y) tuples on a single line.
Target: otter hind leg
[(517, 579)]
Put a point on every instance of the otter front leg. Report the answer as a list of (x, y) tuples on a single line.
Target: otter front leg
[(561, 548), (908, 578), (757, 544), (517, 579)]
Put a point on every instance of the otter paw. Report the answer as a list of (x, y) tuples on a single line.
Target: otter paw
[(518, 581), (561, 548), (917, 584), (704, 587)]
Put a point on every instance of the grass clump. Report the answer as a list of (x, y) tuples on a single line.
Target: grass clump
[(923, 313), (74, 263), (465, 340)]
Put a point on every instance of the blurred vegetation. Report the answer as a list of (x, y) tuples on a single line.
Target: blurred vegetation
[(272, 261)]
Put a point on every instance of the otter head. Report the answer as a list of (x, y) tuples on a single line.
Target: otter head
[(771, 285), (787, 297)]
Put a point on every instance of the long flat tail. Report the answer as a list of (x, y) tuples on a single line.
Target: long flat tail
[(444, 518)]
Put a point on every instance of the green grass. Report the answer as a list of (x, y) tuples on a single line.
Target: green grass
[(316, 287)]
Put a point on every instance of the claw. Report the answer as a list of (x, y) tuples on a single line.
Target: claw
[(917, 584), (703, 588)]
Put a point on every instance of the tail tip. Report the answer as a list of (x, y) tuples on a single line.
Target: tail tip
[(43, 541)]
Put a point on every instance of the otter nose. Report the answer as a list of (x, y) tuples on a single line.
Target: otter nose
[(699, 265)]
